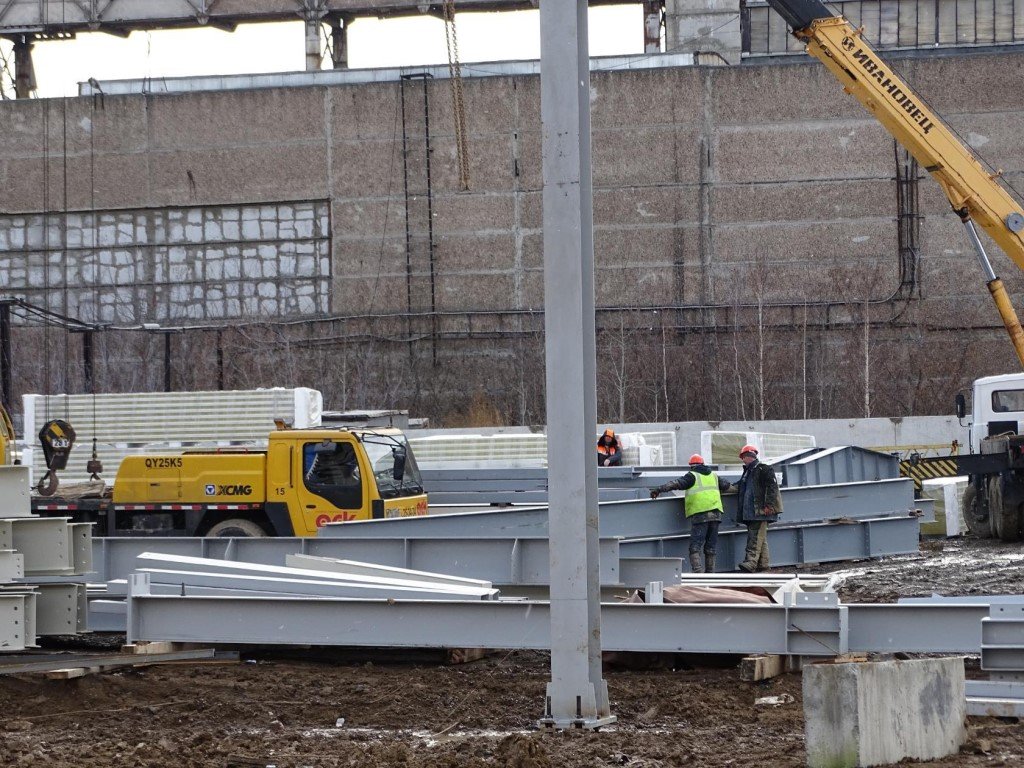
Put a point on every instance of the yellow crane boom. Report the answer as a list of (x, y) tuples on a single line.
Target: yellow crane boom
[(975, 194)]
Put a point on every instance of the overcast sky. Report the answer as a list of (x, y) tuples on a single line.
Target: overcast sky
[(61, 65)]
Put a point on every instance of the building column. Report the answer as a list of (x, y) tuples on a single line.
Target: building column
[(577, 695), (705, 26)]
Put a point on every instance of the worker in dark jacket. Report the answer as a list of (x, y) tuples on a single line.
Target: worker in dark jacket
[(760, 503), (703, 507), (609, 452)]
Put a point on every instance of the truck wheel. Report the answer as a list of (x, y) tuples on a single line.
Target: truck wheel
[(237, 527), (980, 528), (1003, 513)]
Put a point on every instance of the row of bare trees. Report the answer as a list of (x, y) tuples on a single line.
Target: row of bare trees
[(652, 366)]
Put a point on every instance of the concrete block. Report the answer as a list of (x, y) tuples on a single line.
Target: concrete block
[(877, 713)]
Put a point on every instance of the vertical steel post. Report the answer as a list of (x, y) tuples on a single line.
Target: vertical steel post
[(577, 695), (24, 71), (5, 355), (339, 41), (312, 41), (220, 360), (167, 361), (87, 362)]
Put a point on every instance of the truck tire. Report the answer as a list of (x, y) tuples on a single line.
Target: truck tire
[(1004, 514), (980, 528), (237, 527)]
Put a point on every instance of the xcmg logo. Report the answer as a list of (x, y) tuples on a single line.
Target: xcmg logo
[(228, 490)]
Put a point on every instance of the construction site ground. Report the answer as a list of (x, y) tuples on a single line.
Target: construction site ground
[(319, 708)]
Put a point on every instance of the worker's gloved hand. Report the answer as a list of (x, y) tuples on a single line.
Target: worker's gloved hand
[(654, 494)]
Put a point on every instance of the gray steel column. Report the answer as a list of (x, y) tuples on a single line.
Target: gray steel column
[(313, 40), (577, 694)]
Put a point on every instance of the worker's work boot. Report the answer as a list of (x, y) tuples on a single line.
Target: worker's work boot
[(709, 562), (748, 567), (696, 562)]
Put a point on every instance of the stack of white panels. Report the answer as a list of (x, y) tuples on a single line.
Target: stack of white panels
[(159, 422), (723, 448)]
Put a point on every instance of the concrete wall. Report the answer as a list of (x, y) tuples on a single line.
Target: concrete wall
[(927, 435), (704, 179), (713, 187)]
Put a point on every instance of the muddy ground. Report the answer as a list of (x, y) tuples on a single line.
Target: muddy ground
[(281, 710)]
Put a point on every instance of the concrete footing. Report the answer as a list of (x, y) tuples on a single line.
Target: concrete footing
[(876, 713)]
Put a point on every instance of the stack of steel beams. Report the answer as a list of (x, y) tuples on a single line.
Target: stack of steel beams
[(33, 550)]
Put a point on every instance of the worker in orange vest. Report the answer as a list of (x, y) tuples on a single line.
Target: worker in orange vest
[(609, 452)]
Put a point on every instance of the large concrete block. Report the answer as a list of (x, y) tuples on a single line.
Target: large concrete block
[(492, 164), (646, 205), (454, 254), (368, 217), (648, 97), (644, 155), (274, 116), (825, 200), (969, 83), (468, 212), (788, 152), (367, 168), (643, 247), (369, 257), (781, 92), (808, 242), (242, 174), (877, 713)]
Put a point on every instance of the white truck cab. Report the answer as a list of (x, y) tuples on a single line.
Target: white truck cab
[(997, 407)]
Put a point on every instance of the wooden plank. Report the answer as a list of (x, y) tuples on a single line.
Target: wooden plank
[(75, 661), (158, 646), (756, 668), (464, 655), (71, 673)]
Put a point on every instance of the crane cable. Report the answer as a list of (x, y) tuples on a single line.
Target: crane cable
[(458, 105)]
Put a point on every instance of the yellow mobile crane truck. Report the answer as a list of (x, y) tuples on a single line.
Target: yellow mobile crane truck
[(304, 479), (994, 501)]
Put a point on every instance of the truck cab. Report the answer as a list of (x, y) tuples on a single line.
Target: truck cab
[(304, 479), (994, 499), (997, 408)]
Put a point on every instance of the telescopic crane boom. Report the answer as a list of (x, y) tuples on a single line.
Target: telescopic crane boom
[(975, 194)]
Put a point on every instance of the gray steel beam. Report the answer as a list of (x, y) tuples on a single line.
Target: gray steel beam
[(279, 584), (640, 571), (843, 464), (12, 565), (344, 567), (802, 630), (634, 519), (185, 567), (500, 561), (916, 628), (46, 542), (487, 624), (61, 609), (15, 492), (17, 621), (798, 544)]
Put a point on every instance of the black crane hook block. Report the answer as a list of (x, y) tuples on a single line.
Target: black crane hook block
[(57, 438)]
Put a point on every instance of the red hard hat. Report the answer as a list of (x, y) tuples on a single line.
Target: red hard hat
[(748, 449), (696, 459)]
